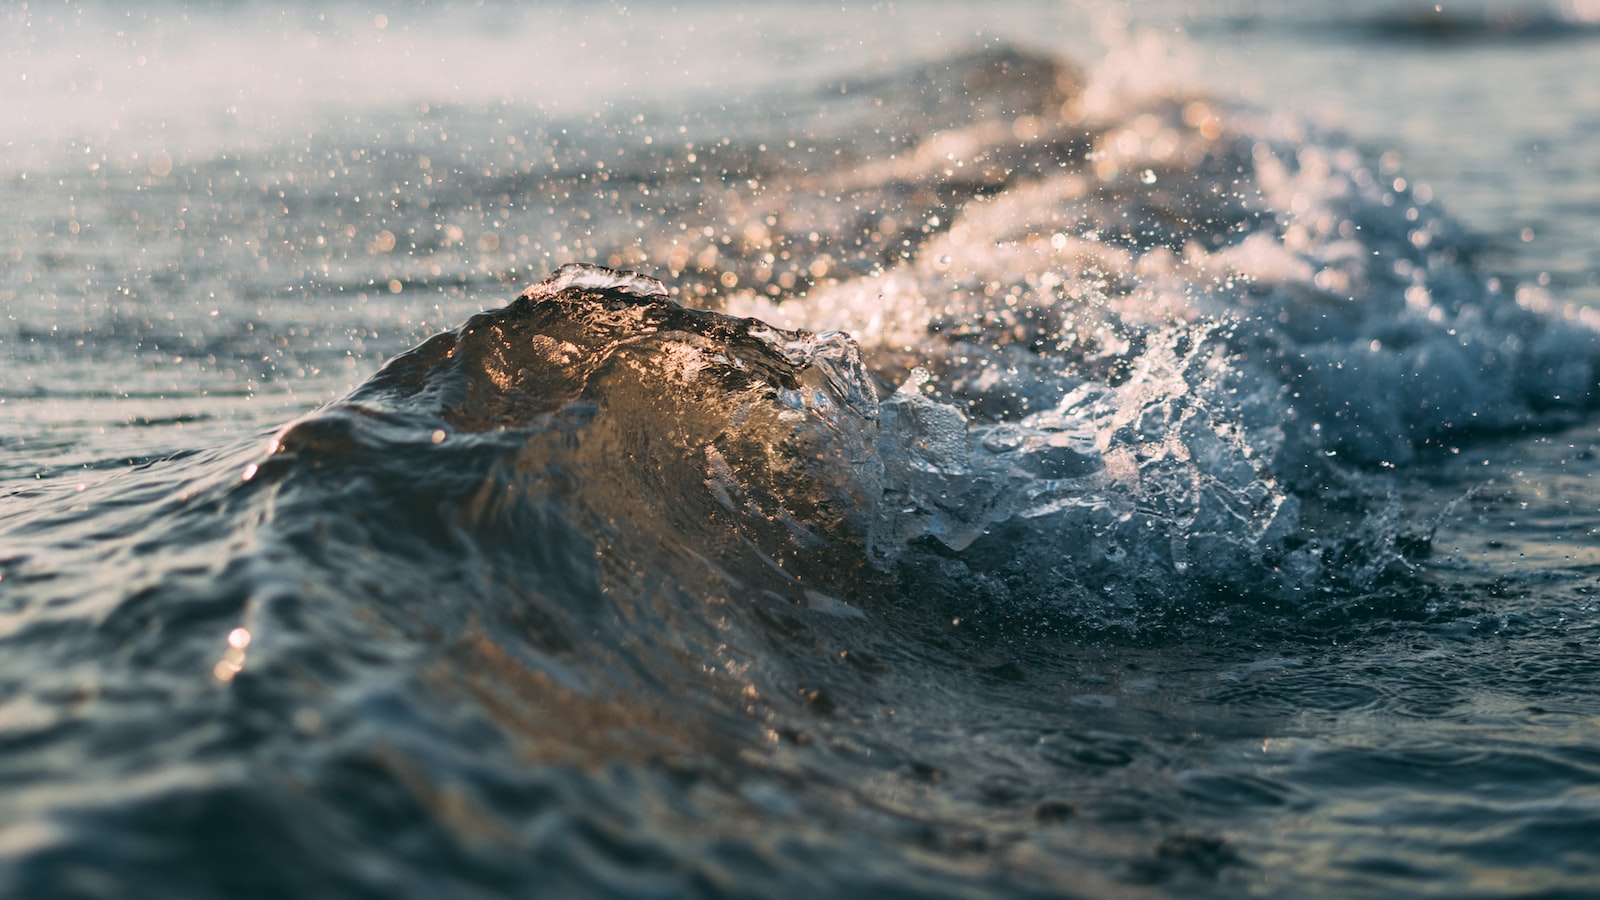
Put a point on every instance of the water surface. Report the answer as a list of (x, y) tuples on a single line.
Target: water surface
[(1066, 452)]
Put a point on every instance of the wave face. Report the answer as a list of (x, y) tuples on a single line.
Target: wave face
[(875, 556)]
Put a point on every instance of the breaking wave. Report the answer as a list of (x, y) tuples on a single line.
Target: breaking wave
[(1024, 360)]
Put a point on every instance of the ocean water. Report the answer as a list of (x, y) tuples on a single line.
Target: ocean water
[(903, 449)]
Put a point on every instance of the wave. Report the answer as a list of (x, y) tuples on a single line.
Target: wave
[(616, 557), (1437, 26)]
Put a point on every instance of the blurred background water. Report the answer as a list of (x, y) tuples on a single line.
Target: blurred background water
[(218, 217)]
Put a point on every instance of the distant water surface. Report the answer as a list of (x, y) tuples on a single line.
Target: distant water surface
[(1069, 450)]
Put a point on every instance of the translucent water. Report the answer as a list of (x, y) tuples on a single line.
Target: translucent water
[(704, 451)]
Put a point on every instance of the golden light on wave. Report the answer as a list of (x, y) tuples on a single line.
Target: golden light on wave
[(232, 661)]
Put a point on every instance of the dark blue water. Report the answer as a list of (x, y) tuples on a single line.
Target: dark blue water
[(1008, 473)]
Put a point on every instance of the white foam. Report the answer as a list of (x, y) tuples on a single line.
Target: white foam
[(581, 277), (1193, 330)]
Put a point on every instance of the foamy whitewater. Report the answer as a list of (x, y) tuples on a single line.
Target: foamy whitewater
[(819, 467)]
